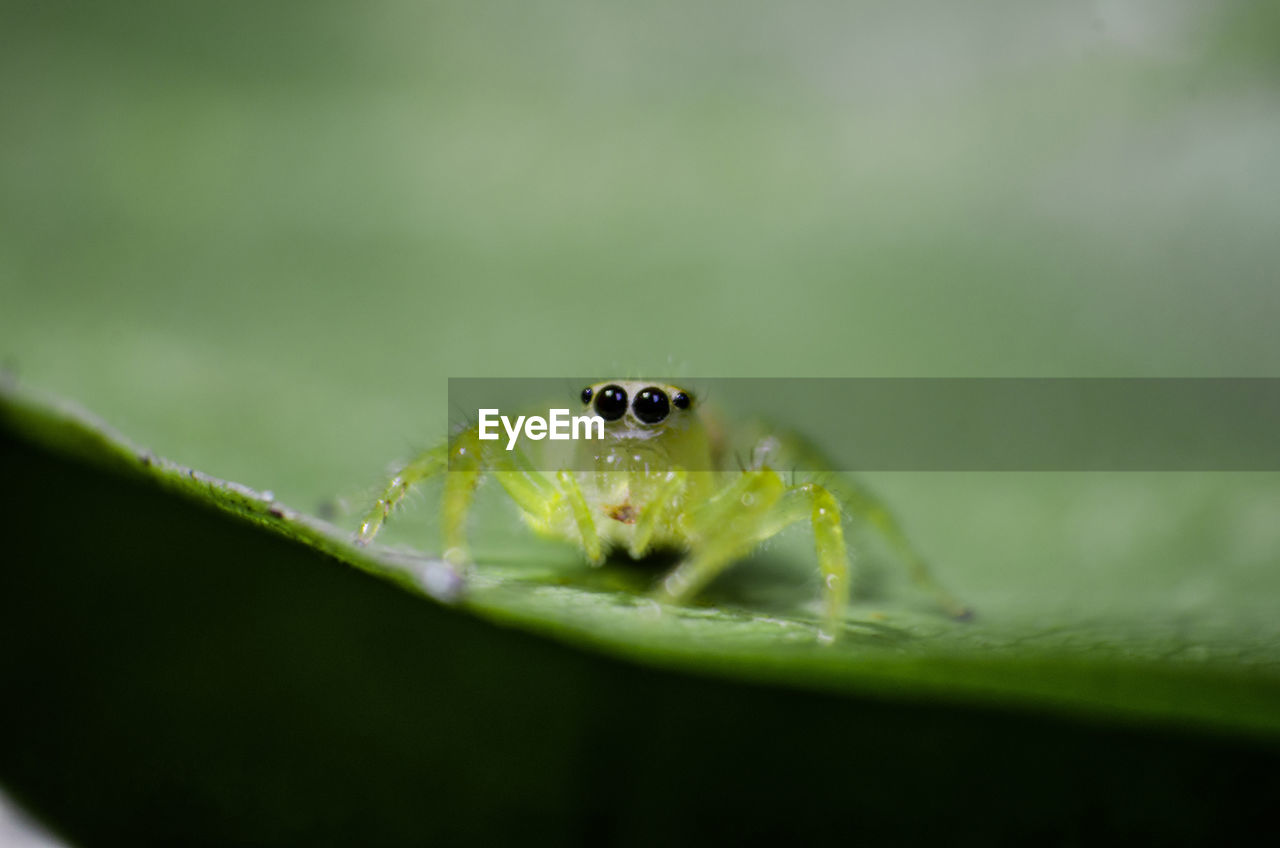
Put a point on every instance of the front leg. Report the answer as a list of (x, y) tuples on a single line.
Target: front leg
[(663, 506), (462, 461), (531, 491), (721, 531), (756, 507), (582, 517)]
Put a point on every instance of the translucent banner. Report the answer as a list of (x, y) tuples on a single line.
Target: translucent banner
[(864, 424)]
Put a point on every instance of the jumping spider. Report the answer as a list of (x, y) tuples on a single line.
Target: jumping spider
[(659, 480)]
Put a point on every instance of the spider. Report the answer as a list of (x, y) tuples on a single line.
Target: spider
[(659, 481)]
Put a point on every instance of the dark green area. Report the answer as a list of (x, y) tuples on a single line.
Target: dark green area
[(176, 677)]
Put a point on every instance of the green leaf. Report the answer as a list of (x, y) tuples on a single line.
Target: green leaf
[(1202, 653), (253, 674)]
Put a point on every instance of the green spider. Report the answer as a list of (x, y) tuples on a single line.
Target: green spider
[(648, 492)]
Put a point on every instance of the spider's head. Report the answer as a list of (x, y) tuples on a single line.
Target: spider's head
[(638, 409), (649, 426)]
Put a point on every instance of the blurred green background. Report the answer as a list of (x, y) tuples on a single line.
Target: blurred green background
[(257, 238)]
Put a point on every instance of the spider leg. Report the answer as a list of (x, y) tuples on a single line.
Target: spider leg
[(754, 508), (812, 502), (861, 503), (723, 530), (462, 461), (425, 465), (582, 516), (663, 506)]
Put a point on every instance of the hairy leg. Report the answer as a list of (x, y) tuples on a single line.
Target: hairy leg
[(722, 531), (813, 503), (582, 516), (425, 465), (861, 503), (663, 506), (462, 462), (752, 509)]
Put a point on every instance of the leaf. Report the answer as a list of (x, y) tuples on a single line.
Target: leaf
[(1153, 667), (221, 654)]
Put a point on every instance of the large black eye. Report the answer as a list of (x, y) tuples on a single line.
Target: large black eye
[(651, 405), (611, 403), (586, 395)]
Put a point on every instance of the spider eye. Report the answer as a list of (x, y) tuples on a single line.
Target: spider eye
[(611, 403), (681, 400), (651, 405), (586, 395)]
